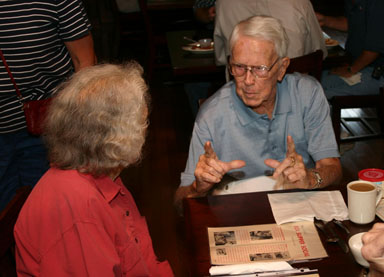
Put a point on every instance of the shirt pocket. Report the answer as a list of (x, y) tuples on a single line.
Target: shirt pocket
[(132, 262)]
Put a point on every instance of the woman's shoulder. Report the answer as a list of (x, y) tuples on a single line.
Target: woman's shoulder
[(66, 190), (60, 180)]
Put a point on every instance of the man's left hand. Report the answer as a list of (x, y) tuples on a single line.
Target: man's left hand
[(292, 168)]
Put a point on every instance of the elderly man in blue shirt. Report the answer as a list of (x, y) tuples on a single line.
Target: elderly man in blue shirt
[(262, 120)]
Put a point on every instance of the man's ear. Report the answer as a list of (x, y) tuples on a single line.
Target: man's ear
[(283, 68)]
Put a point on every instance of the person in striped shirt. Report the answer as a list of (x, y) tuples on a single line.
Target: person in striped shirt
[(43, 43)]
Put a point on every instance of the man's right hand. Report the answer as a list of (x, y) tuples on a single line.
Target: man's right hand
[(210, 170)]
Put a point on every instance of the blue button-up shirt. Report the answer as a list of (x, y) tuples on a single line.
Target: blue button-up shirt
[(238, 133)]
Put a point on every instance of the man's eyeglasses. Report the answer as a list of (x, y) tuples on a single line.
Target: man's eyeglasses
[(260, 71)]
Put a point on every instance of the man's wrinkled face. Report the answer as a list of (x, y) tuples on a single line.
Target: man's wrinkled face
[(257, 86)]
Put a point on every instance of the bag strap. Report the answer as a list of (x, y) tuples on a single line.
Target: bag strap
[(11, 76)]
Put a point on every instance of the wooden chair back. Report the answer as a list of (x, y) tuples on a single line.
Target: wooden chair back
[(357, 101), (8, 218), (310, 64)]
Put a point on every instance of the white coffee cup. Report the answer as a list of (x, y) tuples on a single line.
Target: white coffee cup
[(355, 244), (363, 197)]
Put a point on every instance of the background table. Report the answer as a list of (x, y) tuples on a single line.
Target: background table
[(186, 63), (251, 209)]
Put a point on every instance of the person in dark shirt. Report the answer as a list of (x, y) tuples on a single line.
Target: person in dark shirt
[(364, 21)]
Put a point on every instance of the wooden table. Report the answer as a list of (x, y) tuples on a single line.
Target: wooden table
[(251, 209), (185, 63)]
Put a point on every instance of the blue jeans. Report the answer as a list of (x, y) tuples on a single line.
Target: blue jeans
[(333, 85), (23, 160)]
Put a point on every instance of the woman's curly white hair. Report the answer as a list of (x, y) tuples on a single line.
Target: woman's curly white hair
[(97, 122)]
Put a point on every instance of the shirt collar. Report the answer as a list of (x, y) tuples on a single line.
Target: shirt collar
[(107, 187), (246, 115)]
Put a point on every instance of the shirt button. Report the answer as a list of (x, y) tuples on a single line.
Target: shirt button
[(127, 213), (137, 241)]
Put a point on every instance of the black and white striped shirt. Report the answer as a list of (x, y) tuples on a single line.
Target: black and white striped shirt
[(32, 36)]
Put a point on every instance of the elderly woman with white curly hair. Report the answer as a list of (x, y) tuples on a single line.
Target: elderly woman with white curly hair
[(80, 220)]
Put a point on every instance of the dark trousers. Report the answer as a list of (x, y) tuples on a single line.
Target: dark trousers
[(23, 160)]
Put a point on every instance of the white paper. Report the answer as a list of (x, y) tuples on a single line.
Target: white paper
[(299, 206), (296, 241), (261, 183), (249, 268), (353, 80)]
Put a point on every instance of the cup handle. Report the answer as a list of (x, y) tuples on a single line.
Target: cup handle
[(379, 195)]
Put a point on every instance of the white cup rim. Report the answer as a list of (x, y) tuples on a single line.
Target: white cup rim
[(361, 181)]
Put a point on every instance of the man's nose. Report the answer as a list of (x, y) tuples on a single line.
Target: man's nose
[(249, 77)]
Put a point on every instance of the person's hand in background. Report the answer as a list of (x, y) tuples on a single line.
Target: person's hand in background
[(373, 249)]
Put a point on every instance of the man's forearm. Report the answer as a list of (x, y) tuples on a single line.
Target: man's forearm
[(82, 52), (331, 173), (365, 59), (336, 22)]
